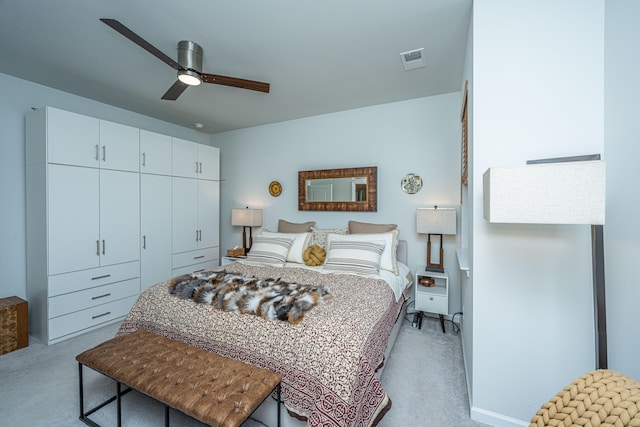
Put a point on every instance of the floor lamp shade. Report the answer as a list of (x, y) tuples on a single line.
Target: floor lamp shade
[(246, 218), (548, 193), (558, 192), (436, 221)]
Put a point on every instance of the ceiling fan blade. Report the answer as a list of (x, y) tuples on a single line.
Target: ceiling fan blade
[(125, 31), (235, 82), (175, 91)]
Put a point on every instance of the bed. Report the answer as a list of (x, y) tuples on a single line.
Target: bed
[(330, 359)]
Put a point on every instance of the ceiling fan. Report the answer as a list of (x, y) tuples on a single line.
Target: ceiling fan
[(189, 65)]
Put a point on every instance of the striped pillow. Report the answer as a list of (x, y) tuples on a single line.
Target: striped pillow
[(354, 257), (271, 251)]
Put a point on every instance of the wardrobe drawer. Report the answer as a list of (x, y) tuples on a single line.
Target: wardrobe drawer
[(188, 269), (75, 301), (74, 322), (195, 257), (85, 279)]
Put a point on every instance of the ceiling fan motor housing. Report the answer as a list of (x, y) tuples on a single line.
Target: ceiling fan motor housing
[(190, 55)]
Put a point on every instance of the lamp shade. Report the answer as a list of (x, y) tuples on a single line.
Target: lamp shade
[(547, 193), (246, 217), (436, 220)]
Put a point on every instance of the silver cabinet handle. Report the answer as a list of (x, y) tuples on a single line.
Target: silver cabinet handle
[(198, 257), (104, 247), (200, 163), (98, 247), (200, 235), (97, 152), (104, 153), (100, 315), (198, 271), (144, 159), (101, 296), (101, 277), (144, 242), (196, 167), (196, 235)]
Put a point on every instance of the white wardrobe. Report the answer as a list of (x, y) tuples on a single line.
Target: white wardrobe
[(110, 212)]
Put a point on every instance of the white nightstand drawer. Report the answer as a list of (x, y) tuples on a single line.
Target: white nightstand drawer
[(431, 303)]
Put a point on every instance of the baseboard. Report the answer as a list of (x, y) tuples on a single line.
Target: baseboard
[(495, 419)]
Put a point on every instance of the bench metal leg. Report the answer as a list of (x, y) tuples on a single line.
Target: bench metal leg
[(119, 403), (166, 415), (279, 402)]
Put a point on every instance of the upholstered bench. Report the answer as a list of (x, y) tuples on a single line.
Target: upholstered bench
[(211, 388)]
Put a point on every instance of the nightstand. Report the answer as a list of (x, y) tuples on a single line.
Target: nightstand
[(431, 291), (229, 259)]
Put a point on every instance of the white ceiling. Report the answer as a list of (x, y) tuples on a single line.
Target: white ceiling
[(319, 56)]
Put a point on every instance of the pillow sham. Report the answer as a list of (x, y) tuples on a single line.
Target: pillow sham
[(354, 257), (356, 227), (319, 235), (292, 227), (300, 243), (388, 260), (270, 251)]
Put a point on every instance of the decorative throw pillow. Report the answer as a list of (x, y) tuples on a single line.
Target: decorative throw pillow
[(300, 243), (271, 251), (292, 227), (314, 255), (319, 235), (354, 257), (389, 255), (356, 227)]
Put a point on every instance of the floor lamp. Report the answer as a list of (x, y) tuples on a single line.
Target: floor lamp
[(246, 218), (568, 190)]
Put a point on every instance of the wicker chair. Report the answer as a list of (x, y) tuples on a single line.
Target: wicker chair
[(600, 398)]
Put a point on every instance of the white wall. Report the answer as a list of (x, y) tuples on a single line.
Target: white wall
[(538, 92), (18, 97), (622, 142), (420, 136)]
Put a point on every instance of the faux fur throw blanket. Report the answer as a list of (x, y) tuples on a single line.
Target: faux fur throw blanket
[(273, 299)]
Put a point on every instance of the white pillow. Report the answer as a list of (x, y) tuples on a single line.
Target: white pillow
[(388, 258), (300, 243), (270, 251), (354, 257)]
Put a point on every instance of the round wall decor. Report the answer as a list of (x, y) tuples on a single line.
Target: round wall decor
[(275, 189), (411, 183)]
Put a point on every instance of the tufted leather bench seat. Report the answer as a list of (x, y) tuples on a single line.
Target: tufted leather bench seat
[(211, 388)]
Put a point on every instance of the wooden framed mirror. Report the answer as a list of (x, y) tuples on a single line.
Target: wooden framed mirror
[(350, 189)]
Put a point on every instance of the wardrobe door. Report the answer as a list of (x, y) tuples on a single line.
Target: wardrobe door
[(184, 214), (119, 146), (73, 223), (119, 217), (155, 228), (208, 213), (72, 139)]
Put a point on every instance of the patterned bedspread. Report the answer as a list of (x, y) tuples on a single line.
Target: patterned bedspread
[(327, 361)]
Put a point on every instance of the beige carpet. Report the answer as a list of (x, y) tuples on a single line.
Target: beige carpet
[(424, 377)]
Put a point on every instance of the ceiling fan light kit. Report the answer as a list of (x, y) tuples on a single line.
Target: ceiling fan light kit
[(189, 65), (190, 58)]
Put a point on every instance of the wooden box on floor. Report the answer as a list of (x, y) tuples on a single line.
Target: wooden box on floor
[(14, 324)]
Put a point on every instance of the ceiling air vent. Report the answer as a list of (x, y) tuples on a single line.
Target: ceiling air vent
[(413, 59)]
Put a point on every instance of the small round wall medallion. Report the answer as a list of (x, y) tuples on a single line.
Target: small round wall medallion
[(411, 183), (275, 189)]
